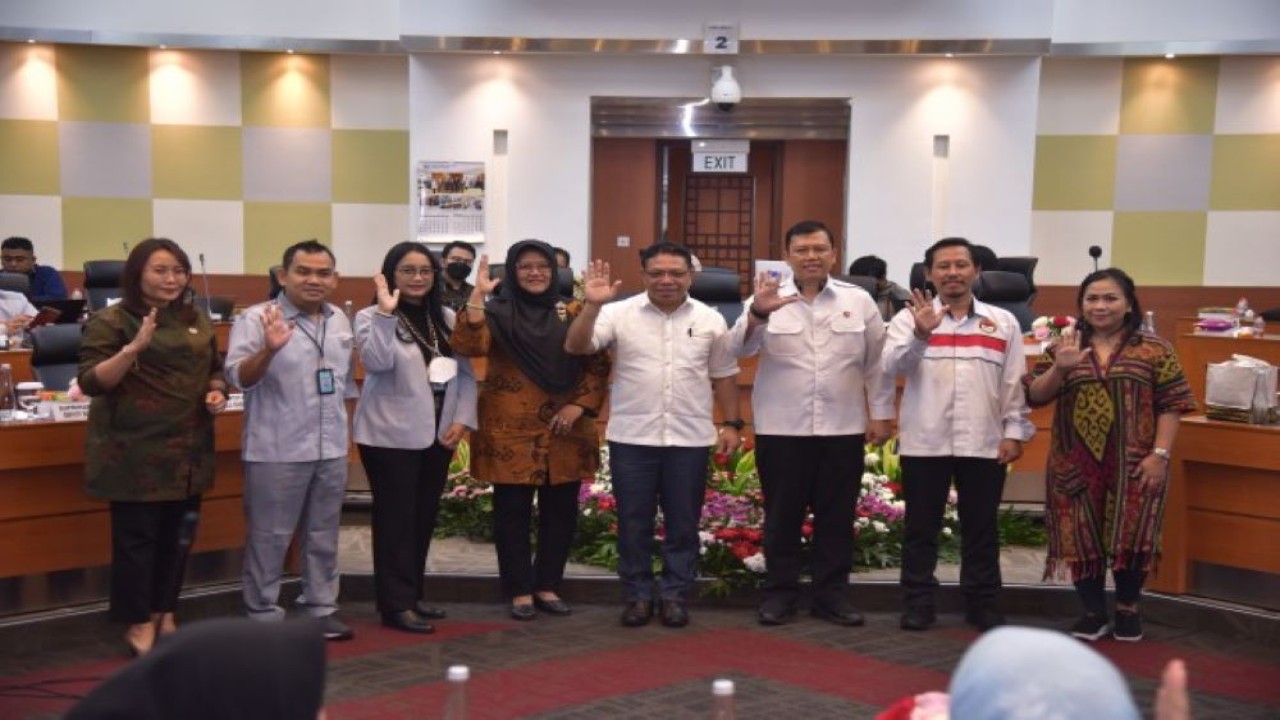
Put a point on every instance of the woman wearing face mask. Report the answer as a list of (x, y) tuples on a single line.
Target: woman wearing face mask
[(417, 402), (1119, 394), (537, 431)]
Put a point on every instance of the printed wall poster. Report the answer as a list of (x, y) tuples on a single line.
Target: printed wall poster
[(450, 201)]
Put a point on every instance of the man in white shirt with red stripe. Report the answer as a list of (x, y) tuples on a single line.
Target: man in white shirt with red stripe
[(963, 418)]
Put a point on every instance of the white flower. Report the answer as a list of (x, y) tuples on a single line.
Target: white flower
[(879, 526), (599, 488), (706, 538), (871, 459), (861, 522), (755, 563), (899, 505), (586, 512), (868, 480), (946, 531)]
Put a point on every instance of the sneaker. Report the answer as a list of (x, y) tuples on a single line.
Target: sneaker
[(1128, 626), (1091, 627), (335, 629)]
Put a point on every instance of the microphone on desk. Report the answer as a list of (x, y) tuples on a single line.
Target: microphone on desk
[(1095, 252), (204, 276)]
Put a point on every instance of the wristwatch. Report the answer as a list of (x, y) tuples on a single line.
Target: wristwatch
[(735, 424), (1162, 453)]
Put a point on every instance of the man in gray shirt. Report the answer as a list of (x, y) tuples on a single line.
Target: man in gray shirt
[(292, 357)]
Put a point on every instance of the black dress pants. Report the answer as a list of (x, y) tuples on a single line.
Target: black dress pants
[(1129, 582), (926, 482), (147, 564), (406, 487), (798, 474), (512, 525)]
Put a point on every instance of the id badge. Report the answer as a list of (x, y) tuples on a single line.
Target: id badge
[(441, 370), (324, 381)]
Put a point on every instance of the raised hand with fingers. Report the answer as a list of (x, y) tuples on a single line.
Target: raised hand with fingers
[(926, 316), (387, 300), (275, 331), (766, 299), (1067, 352), (485, 285), (143, 338), (597, 289)]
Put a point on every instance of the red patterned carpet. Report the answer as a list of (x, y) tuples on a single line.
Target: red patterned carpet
[(587, 666)]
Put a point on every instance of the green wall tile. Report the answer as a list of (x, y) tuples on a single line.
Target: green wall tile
[(196, 162), (1178, 97), (370, 166), (285, 90), (104, 84), (1246, 173), (31, 163), (1075, 172), (96, 228), (270, 227), (1160, 248)]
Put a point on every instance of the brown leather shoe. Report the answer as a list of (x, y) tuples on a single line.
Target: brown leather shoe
[(637, 613), (674, 613)]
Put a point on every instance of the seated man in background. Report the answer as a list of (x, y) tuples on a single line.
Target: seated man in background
[(15, 311), (18, 255), (890, 297)]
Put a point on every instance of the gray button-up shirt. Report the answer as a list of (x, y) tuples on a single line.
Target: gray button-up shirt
[(286, 419)]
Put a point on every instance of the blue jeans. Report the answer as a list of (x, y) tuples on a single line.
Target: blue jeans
[(1015, 672), (645, 478)]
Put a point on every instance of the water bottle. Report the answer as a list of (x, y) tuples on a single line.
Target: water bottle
[(77, 294), (1259, 326), (722, 707), (4, 336), (1149, 322), (455, 702), (8, 397)]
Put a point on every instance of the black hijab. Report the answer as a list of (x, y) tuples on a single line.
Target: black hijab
[(227, 668), (529, 326)]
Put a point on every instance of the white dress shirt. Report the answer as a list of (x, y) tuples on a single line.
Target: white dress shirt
[(819, 364), (663, 365), (963, 391), (13, 304)]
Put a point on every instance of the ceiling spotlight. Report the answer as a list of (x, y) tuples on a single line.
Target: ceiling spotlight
[(31, 41), (1169, 56), (951, 55), (289, 50), (164, 47)]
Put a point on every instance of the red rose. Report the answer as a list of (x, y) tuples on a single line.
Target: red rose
[(722, 459)]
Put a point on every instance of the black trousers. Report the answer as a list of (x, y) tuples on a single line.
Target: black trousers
[(798, 474), (1093, 590), (512, 525), (926, 482), (406, 487), (146, 563)]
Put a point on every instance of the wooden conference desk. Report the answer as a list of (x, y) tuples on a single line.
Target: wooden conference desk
[(47, 523), (1222, 518)]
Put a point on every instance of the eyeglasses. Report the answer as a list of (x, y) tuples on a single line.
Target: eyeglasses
[(410, 272), (533, 267), (673, 274)]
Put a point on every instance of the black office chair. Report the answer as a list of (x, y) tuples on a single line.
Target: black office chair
[(273, 287), (1006, 290), (102, 281), (721, 289), (219, 308), (55, 354), (15, 282), (985, 258), (1024, 265), (919, 279)]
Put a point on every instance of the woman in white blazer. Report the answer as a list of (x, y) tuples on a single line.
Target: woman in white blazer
[(417, 402)]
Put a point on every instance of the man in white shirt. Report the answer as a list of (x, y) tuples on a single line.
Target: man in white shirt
[(819, 342), (15, 311), (963, 417), (672, 356)]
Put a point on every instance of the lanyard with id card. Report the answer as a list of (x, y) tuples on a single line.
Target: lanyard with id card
[(326, 384)]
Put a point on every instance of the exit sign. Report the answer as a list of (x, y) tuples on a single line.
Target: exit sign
[(720, 162)]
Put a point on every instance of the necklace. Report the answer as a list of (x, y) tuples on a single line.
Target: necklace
[(431, 343)]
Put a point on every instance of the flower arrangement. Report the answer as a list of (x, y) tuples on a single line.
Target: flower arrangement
[(732, 525), (1051, 326)]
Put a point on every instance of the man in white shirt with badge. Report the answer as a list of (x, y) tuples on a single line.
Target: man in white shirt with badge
[(963, 418), (819, 341), (672, 357)]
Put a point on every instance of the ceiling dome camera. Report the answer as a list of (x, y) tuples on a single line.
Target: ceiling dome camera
[(725, 91)]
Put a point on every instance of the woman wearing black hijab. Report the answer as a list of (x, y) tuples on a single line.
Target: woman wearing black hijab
[(228, 668), (537, 411)]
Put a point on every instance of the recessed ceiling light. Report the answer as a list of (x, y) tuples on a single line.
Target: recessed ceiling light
[(289, 50), (31, 40), (1169, 56), (951, 55), (164, 47), (497, 52)]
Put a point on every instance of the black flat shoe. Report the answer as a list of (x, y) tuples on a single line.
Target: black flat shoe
[(523, 611), (637, 613), (845, 615), (407, 621), (769, 615), (674, 614), (430, 612), (552, 607), (917, 619)]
